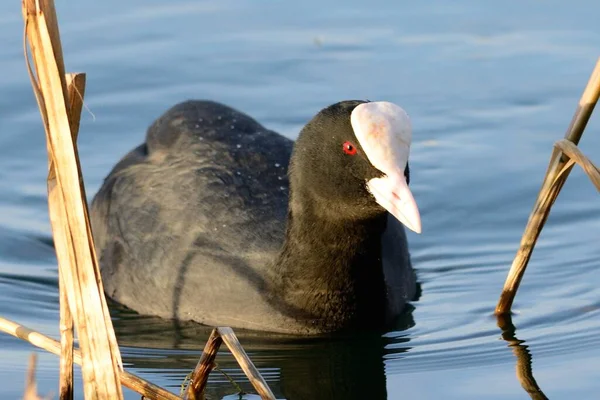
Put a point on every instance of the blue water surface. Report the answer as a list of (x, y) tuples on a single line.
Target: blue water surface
[(489, 87)]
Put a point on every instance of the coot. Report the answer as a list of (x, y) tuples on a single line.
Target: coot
[(219, 220)]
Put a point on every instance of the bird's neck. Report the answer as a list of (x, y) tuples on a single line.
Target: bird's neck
[(329, 271)]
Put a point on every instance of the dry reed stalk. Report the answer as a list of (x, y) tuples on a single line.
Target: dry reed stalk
[(576, 156), (65, 386), (74, 107), (556, 175), (128, 379), (75, 93), (245, 363), (206, 364), (68, 207)]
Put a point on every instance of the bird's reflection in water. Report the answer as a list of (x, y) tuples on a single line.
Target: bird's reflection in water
[(523, 367), (343, 366)]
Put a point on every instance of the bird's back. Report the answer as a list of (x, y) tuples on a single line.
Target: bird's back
[(186, 224)]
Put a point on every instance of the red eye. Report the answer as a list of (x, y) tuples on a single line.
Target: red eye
[(349, 148)]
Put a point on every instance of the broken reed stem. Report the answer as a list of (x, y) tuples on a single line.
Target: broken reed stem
[(68, 207), (238, 352), (207, 362), (576, 156), (128, 380), (555, 177), (523, 367), (148, 390)]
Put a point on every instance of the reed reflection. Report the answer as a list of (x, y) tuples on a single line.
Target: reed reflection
[(521, 351)]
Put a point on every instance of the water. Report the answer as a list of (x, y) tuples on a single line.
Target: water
[(489, 90)]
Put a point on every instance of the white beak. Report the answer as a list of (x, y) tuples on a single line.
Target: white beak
[(393, 194)]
